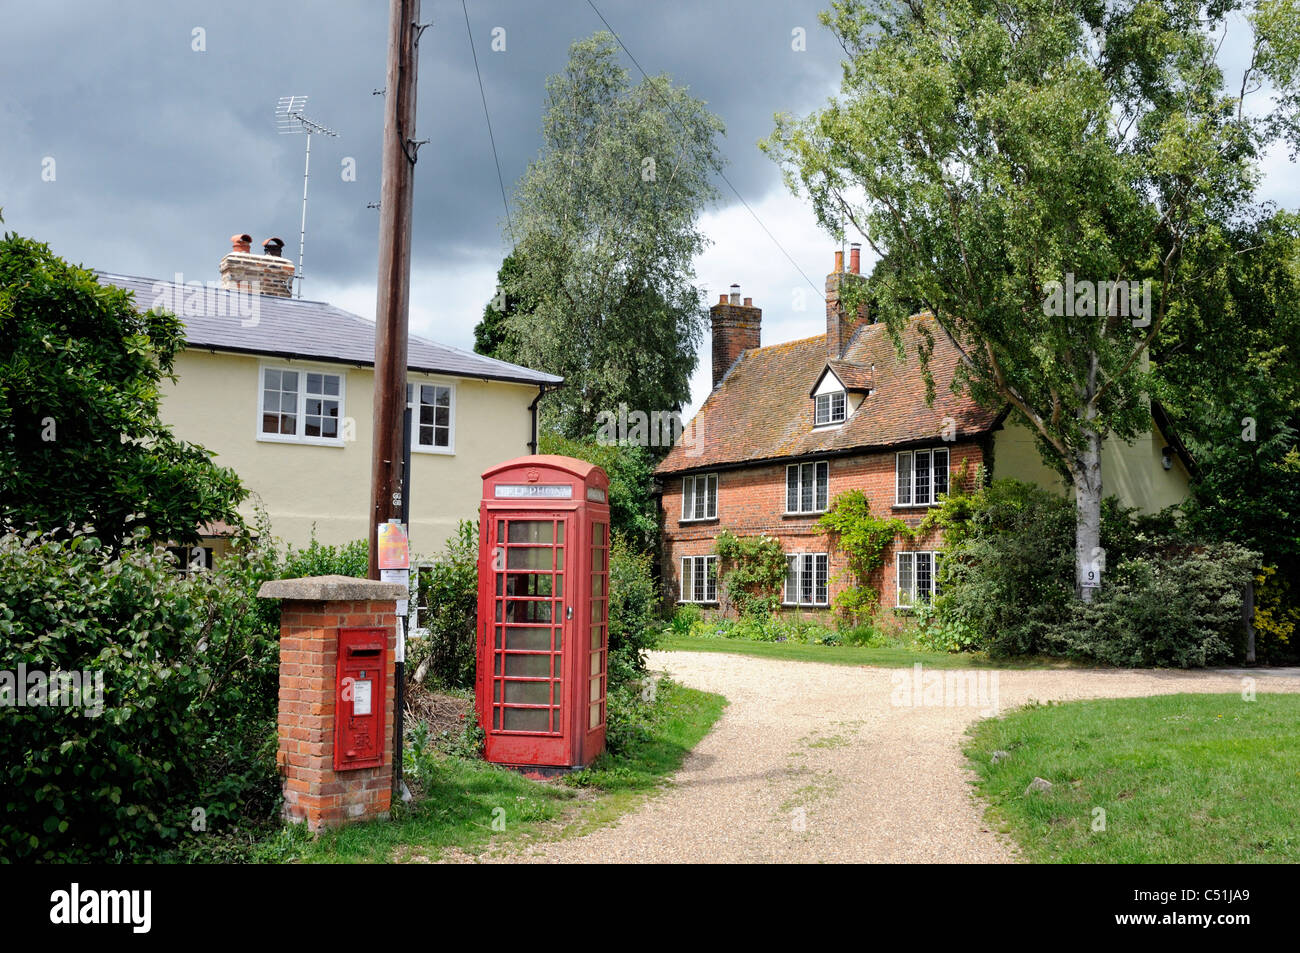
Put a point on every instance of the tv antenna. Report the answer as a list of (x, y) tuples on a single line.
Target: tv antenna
[(290, 121)]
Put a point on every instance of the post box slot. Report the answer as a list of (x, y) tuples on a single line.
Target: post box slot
[(363, 652)]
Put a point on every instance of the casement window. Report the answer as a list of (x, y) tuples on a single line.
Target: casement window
[(918, 577), (922, 476), (699, 579), (700, 497), (301, 406), (806, 579), (433, 410), (830, 408), (807, 487)]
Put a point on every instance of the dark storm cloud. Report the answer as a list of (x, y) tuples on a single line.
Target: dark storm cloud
[(161, 152)]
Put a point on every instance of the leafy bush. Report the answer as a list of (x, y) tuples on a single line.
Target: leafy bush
[(1181, 609), (81, 441), (320, 559), (684, 618), (633, 607), (1007, 582), (631, 714), (188, 671), (447, 593)]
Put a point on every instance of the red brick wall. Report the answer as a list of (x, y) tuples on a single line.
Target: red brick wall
[(751, 501), (313, 791)]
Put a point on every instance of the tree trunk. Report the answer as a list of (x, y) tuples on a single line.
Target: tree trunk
[(1089, 558)]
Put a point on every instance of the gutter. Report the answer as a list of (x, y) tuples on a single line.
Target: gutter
[(532, 410)]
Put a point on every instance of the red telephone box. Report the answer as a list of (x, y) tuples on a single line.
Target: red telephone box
[(543, 610)]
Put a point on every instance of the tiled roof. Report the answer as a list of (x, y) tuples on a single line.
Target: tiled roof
[(762, 409), (290, 327)]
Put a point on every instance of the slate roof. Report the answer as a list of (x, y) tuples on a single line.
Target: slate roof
[(762, 411), (294, 328)]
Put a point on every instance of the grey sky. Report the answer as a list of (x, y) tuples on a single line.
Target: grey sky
[(162, 152)]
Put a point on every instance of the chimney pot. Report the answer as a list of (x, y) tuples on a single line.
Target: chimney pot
[(735, 294), (839, 262), (722, 298), (269, 274), (749, 302), (855, 258)]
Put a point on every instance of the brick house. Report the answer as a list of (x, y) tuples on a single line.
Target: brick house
[(790, 426)]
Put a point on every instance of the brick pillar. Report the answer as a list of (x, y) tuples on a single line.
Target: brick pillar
[(312, 612)]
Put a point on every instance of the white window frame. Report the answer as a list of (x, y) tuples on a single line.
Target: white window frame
[(830, 419), (300, 413), (822, 466), (911, 560), (413, 406), (691, 497), (908, 490), (689, 569), (814, 565)]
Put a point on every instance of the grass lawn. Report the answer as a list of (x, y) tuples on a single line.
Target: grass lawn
[(463, 798), (885, 657), (1181, 779)]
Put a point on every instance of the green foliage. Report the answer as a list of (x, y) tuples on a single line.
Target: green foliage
[(81, 444), (1229, 374), (320, 559), (753, 571), (606, 229), (633, 612), (1181, 609), (863, 539), (631, 715), (684, 617), (492, 334), (1007, 580), (188, 706), (780, 628), (633, 510), (447, 593)]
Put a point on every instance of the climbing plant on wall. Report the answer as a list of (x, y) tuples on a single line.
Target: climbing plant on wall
[(753, 570), (863, 538)]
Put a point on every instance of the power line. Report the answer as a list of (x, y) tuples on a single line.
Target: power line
[(717, 166), (486, 115)]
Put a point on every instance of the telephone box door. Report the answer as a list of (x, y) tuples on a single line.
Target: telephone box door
[(528, 634)]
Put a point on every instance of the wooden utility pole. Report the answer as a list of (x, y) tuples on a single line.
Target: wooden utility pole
[(395, 213)]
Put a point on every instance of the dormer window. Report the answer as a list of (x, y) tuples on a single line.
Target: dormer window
[(831, 408)]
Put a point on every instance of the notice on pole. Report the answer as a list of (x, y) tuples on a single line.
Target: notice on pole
[(394, 546), (402, 576)]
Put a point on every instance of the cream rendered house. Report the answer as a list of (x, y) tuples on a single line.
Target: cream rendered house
[(280, 390)]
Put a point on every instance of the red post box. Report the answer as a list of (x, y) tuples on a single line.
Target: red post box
[(543, 612), (359, 705)]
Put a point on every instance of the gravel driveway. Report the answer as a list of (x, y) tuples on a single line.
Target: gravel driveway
[(813, 763)]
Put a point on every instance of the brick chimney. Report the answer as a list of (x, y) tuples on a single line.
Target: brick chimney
[(736, 328), (240, 268), (840, 328)]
